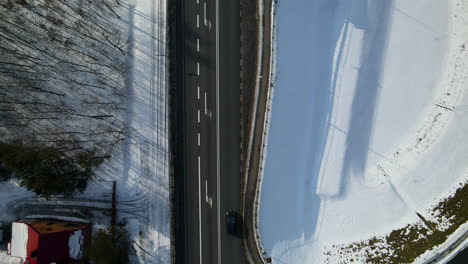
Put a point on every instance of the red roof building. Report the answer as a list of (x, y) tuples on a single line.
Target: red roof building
[(46, 241)]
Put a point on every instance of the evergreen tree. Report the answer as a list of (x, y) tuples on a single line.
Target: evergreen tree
[(46, 171)]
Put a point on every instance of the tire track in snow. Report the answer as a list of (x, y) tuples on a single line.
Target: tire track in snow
[(86, 208), (157, 117)]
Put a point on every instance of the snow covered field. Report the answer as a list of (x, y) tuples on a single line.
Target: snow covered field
[(368, 121)]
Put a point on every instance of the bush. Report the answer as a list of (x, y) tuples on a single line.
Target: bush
[(110, 246)]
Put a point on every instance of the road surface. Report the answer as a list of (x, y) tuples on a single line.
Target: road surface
[(208, 111)]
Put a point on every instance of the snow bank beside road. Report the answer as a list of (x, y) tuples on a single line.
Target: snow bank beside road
[(368, 120)]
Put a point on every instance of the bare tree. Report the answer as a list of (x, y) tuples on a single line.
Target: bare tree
[(62, 73)]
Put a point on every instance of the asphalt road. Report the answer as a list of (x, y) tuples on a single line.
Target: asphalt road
[(461, 258), (207, 165)]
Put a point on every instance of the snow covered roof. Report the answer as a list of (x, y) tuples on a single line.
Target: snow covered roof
[(19, 239)]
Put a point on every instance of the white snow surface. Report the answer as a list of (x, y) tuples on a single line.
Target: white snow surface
[(9, 193), (19, 241), (368, 120), (141, 166), (7, 259), (74, 244)]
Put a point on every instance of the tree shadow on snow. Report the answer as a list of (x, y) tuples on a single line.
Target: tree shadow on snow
[(129, 85), (367, 92), (144, 153), (312, 38)]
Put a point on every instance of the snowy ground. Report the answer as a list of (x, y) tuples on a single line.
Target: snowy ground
[(141, 165), (7, 259), (368, 120)]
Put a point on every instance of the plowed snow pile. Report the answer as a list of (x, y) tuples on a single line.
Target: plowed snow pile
[(369, 121)]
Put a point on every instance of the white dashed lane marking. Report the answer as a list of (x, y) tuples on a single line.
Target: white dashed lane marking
[(206, 110)]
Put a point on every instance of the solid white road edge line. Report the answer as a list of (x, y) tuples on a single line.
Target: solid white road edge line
[(199, 210), (217, 134)]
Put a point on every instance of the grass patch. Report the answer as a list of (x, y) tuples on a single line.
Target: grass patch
[(405, 244)]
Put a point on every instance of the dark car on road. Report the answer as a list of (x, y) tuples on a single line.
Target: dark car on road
[(232, 222)]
